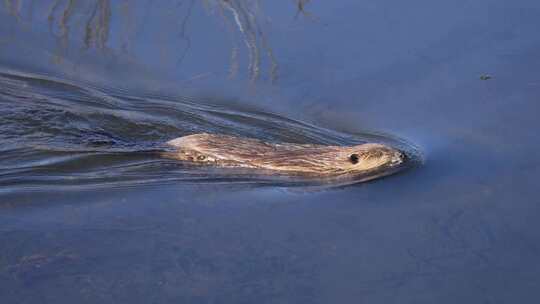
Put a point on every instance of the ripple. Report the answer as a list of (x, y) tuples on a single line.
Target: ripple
[(66, 135)]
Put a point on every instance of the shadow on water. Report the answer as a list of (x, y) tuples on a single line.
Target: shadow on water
[(58, 133)]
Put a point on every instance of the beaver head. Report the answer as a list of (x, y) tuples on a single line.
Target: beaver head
[(332, 160), (368, 157)]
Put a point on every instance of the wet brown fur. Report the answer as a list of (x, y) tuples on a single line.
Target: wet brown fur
[(290, 158)]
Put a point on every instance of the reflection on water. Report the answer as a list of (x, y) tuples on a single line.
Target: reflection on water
[(92, 22), (244, 15)]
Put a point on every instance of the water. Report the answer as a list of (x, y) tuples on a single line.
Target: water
[(89, 89)]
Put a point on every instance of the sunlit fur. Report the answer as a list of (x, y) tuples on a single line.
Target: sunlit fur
[(230, 151)]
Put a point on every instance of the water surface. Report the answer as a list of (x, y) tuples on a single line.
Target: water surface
[(89, 88)]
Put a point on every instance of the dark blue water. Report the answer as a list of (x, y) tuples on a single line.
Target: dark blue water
[(87, 88)]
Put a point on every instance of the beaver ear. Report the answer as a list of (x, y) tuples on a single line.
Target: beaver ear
[(354, 158)]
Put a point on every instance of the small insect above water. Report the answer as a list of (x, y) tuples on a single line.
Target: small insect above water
[(485, 77), (286, 158)]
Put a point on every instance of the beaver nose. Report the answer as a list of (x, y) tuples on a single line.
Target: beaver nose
[(399, 157), (403, 156)]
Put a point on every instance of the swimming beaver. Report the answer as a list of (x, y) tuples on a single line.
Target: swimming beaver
[(286, 158)]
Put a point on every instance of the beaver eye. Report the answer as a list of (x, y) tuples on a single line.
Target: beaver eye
[(354, 158)]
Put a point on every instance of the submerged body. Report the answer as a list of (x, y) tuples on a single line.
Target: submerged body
[(286, 158)]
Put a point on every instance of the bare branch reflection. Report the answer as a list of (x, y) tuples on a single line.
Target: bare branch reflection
[(97, 26), (301, 8), (13, 7), (89, 23), (245, 15), (183, 35)]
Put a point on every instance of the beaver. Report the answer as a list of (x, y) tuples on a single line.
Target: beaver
[(285, 158)]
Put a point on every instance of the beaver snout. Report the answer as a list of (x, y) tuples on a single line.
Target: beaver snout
[(398, 157)]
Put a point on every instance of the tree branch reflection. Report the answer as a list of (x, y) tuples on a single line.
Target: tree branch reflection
[(90, 24)]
